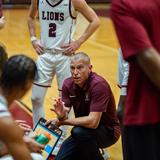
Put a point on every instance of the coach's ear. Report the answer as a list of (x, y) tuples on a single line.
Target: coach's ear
[(90, 66)]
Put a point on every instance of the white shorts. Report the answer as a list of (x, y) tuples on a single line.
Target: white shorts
[(49, 65)]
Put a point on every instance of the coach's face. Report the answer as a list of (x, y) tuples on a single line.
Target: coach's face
[(80, 71)]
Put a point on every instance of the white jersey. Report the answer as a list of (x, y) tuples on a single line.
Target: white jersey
[(3, 107), (57, 22), (123, 71)]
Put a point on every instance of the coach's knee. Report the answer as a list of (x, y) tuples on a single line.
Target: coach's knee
[(80, 133)]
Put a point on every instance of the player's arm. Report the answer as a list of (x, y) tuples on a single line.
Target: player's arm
[(94, 22), (32, 27), (2, 22), (32, 18), (149, 61), (125, 72), (12, 136)]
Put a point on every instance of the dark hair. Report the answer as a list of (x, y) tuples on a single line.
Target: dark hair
[(17, 71), (3, 56)]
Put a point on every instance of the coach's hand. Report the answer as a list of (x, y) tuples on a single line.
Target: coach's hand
[(54, 121), (60, 109)]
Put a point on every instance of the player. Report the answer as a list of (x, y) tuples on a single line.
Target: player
[(57, 23)]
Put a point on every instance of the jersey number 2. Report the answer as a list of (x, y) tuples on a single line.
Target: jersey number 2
[(52, 30)]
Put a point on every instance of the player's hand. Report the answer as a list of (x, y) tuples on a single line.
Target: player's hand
[(121, 107), (32, 145), (38, 47), (70, 48), (60, 109), (22, 124), (2, 22), (3, 150)]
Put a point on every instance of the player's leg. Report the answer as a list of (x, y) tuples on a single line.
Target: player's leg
[(63, 72), (45, 65), (38, 95)]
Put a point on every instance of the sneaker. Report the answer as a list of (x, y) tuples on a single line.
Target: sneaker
[(104, 154)]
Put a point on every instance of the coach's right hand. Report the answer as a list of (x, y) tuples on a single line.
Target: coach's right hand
[(54, 121), (60, 109)]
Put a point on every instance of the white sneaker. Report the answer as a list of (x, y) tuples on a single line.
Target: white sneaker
[(105, 154)]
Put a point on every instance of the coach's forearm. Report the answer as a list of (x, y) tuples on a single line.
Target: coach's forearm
[(90, 121), (82, 121)]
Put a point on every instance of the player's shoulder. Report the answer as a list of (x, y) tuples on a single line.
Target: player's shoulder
[(6, 123), (78, 3)]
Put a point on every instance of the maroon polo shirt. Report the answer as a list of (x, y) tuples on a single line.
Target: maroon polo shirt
[(95, 96), (137, 23)]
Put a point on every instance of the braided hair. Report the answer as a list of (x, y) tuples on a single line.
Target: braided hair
[(3, 56), (18, 70)]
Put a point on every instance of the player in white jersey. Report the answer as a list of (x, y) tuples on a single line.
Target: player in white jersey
[(57, 21), (123, 73)]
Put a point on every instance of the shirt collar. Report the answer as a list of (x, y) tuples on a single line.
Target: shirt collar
[(86, 84)]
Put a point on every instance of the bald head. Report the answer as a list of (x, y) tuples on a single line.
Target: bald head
[(80, 68)]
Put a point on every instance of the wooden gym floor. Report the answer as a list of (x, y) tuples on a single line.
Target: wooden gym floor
[(101, 47)]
